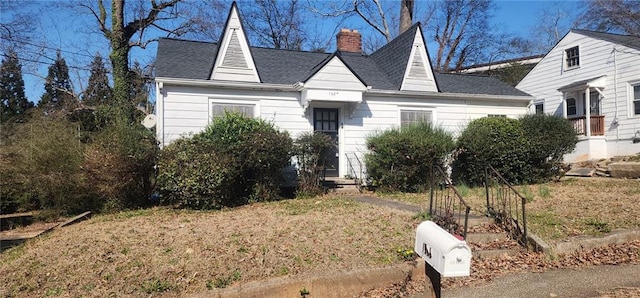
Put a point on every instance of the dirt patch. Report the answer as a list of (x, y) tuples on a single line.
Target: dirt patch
[(622, 293), (167, 252)]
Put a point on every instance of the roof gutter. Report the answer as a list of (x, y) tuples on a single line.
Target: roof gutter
[(440, 95), (226, 84), (378, 92)]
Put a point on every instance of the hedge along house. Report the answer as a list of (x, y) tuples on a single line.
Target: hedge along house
[(592, 79), (346, 94)]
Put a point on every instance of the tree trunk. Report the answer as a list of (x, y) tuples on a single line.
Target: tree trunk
[(119, 57), (406, 14)]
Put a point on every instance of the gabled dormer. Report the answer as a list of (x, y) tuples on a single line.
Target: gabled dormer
[(418, 75), (406, 63), (332, 81), (233, 60)]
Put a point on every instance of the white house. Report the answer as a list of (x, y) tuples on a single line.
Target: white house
[(346, 94), (597, 70)]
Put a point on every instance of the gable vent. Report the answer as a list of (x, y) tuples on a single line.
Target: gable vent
[(234, 56), (417, 67)]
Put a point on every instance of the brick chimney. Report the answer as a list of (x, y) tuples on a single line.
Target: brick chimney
[(349, 41)]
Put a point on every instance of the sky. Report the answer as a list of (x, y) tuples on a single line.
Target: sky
[(76, 36)]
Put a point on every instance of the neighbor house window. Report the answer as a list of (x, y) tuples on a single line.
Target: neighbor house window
[(636, 100), (539, 108), (218, 109), (594, 101), (573, 57), (409, 117), (571, 107)]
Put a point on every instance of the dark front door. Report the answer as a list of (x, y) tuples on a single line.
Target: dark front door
[(326, 121)]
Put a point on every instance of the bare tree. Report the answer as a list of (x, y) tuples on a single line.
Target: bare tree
[(554, 21), (134, 24), (276, 23), (16, 25), (461, 29), (621, 16), (371, 12)]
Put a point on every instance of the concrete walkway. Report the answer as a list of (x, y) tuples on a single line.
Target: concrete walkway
[(581, 282)]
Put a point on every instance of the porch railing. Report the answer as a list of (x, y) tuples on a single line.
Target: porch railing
[(355, 169), (580, 125), (506, 205), (446, 206)]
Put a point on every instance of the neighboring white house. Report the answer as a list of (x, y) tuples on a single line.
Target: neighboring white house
[(597, 70), (346, 94)]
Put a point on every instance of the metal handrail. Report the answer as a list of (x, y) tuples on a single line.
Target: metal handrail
[(352, 171), (504, 207), (446, 205)]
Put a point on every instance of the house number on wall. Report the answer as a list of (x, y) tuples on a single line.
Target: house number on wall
[(333, 93)]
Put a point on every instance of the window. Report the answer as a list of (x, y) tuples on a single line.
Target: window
[(408, 117), (218, 109), (573, 57), (571, 107), (539, 108), (594, 100), (636, 100)]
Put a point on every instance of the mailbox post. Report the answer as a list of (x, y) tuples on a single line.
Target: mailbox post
[(444, 254)]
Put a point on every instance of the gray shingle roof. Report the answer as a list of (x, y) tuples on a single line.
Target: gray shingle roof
[(625, 40), (474, 84), (382, 70), (390, 57)]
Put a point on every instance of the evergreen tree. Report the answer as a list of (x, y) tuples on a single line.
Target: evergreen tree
[(58, 95), (140, 86), (98, 91), (13, 102)]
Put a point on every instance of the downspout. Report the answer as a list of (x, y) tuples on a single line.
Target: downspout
[(615, 95)]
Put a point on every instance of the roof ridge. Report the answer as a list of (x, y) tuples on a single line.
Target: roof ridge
[(413, 27), (603, 32)]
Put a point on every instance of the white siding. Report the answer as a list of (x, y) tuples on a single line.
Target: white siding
[(618, 63), (186, 111), (336, 76)]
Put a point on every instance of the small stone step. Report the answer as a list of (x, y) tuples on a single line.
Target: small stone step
[(494, 253), (478, 220), (485, 237)]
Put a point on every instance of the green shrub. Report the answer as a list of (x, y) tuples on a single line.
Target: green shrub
[(235, 160), (41, 169), (401, 159), (120, 165), (527, 150), (550, 138), (309, 150), (500, 142)]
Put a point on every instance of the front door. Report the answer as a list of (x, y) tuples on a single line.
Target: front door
[(326, 121)]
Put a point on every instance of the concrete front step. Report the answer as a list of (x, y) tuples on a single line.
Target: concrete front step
[(338, 181), (344, 189)]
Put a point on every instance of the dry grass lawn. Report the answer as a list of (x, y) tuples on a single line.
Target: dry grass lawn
[(571, 207), (165, 252), (169, 252)]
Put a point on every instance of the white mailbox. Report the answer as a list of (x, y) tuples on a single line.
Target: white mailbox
[(445, 253)]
